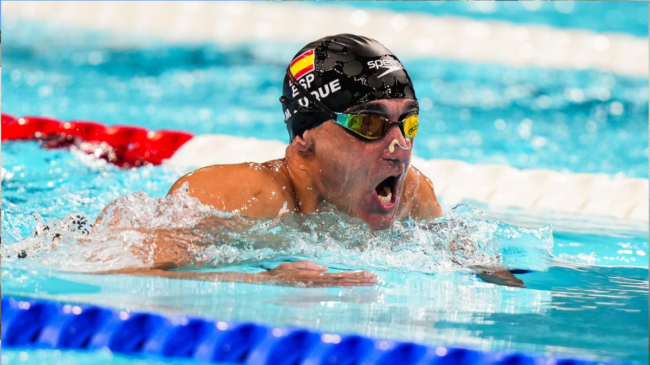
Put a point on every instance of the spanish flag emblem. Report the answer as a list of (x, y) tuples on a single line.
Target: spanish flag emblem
[(302, 64)]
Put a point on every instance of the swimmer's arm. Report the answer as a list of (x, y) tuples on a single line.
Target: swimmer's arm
[(300, 273), (106, 218), (166, 250), (426, 207), (494, 274), (253, 190)]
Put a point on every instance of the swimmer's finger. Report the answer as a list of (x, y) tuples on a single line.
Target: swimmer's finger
[(302, 265), (351, 277), (314, 279), (310, 265), (346, 282), (290, 274), (345, 285), (360, 275)]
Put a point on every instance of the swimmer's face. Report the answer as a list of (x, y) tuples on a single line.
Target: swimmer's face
[(363, 178)]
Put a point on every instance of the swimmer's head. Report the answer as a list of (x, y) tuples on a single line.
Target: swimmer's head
[(358, 164), (362, 178), (341, 72)]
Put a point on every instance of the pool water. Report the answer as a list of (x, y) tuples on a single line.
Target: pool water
[(586, 294), (584, 311), (77, 358), (600, 16), (573, 290), (480, 113)]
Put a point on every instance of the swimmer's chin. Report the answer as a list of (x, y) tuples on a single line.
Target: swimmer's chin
[(376, 216), (378, 222)]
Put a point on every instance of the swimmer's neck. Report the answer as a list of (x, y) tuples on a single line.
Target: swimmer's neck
[(304, 177)]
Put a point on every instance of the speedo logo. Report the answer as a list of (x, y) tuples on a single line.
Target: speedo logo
[(389, 65)]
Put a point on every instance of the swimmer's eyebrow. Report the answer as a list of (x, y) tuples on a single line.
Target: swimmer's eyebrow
[(412, 107), (375, 107), (381, 108)]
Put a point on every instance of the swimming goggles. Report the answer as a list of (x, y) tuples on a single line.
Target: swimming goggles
[(365, 126), (373, 127)]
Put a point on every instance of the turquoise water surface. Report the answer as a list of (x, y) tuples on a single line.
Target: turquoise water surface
[(566, 120), (600, 16), (424, 297), (586, 293)]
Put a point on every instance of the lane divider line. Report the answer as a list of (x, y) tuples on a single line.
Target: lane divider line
[(498, 186), (408, 34), (41, 324), (124, 146)]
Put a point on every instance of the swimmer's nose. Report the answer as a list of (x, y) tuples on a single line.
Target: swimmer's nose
[(400, 153)]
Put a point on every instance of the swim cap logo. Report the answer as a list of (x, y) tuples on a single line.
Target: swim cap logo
[(302, 64), (388, 64), (337, 72)]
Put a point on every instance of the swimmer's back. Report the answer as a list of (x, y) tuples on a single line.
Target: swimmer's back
[(251, 189)]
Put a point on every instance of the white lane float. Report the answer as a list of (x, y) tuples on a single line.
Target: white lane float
[(497, 186), (408, 34)]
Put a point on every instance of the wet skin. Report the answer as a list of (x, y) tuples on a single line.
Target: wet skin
[(327, 168)]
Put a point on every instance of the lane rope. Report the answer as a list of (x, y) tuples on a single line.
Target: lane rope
[(125, 146), (408, 34), (498, 187), (41, 324)]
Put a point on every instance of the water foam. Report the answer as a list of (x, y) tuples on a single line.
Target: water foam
[(139, 231)]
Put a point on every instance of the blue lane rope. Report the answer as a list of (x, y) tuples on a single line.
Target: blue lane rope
[(51, 325)]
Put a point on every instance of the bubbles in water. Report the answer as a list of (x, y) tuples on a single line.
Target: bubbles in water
[(138, 231)]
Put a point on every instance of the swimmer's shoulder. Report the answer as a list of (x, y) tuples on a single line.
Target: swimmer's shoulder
[(252, 189), (418, 197)]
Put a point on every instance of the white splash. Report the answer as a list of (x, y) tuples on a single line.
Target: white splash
[(139, 231)]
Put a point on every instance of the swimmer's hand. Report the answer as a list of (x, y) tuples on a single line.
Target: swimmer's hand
[(499, 277), (311, 274), (299, 273)]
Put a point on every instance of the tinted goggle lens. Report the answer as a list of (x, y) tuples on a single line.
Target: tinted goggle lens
[(374, 127)]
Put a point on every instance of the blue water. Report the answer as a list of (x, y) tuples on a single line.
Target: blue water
[(39, 357), (600, 16), (54, 183), (575, 286), (586, 297), (479, 113), (588, 312)]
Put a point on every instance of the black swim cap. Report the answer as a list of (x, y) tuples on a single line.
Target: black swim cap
[(340, 71)]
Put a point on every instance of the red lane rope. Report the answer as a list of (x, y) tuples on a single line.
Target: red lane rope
[(124, 146)]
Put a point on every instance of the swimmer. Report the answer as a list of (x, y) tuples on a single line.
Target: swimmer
[(352, 116)]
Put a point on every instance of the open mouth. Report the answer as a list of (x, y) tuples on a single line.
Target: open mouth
[(386, 192)]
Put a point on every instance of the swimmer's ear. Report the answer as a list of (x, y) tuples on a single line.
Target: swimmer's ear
[(305, 143)]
